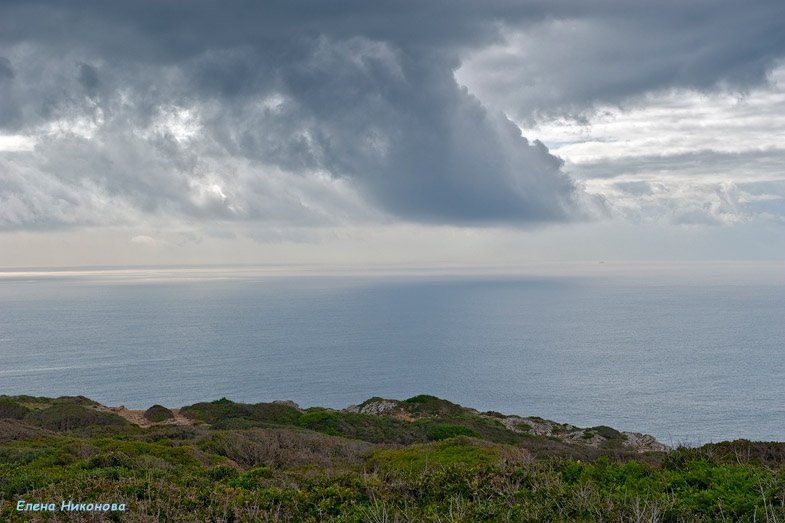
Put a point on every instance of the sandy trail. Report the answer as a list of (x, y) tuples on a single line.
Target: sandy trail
[(137, 416)]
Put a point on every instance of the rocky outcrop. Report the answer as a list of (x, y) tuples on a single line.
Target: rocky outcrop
[(379, 407), (644, 442), (534, 426), (592, 437)]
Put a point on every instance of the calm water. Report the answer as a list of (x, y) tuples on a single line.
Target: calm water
[(686, 363)]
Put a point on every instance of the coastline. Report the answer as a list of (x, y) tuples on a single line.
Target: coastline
[(25, 407)]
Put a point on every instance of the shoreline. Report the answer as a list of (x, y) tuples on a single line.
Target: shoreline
[(530, 426)]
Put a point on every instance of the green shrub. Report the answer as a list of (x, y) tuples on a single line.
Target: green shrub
[(445, 431), (172, 432), (215, 411), (112, 459), (222, 472), (75, 400), (72, 415), (158, 413), (224, 414), (280, 448), (606, 432), (10, 409), (276, 413), (20, 456), (254, 478), (461, 451), (365, 427), (425, 405)]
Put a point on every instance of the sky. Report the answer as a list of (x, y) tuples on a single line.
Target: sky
[(405, 133)]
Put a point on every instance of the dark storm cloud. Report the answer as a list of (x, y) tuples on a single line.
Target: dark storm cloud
[(405, 133), (279, 110), (88, 77), (8, 112), (613, 52), (6, 72)]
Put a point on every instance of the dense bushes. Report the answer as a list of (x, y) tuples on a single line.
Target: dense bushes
[(279, 448), (59, 414), (70, 416), (10, 409), (292, 473), (432, 406), (224, 413), (260, 475)]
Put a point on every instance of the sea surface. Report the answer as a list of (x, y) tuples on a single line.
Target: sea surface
[(686, 362)]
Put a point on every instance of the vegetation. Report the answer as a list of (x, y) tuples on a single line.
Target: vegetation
[(424, 459), (158, 413)]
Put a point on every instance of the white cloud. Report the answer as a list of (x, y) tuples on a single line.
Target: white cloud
[(681, 156), (673, 122), (16, 142)]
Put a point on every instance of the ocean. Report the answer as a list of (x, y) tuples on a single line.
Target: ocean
[(688, 362)]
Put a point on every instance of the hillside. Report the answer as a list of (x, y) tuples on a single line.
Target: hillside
[(420, 459)]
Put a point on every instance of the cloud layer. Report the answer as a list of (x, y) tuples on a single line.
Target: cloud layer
[(306, 114), (614, 52), (265, 113), (683, 156)]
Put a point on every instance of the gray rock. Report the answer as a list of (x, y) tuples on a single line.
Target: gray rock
[(380, 408), (644, 442)]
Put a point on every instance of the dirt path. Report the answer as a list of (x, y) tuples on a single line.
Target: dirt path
[(137, 416)]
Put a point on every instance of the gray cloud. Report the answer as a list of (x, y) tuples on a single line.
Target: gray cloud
[(307, 113), (766, 164), (614, 52), (635, 188), (8, 111), (405, 133), (686, 198)]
